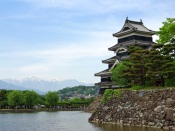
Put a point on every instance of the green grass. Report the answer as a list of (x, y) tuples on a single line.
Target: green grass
[(148, 87)]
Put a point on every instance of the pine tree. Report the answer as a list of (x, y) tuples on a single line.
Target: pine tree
[(138, 59), (155, 65), (168, 52)]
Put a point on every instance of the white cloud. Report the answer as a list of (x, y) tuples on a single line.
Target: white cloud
[(32, 68), (58, 57), (69, 53)]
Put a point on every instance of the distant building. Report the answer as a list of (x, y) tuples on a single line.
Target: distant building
[(132, 33)]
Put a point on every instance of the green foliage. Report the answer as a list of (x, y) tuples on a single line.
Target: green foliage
[(155, 64), (3, 98), (116, 93), (138, 59), (52, 98), (81, 90), (21, 99), (169, 61), (41, 100), (3, 103), (155, 67), (15, 98), (136, 87), (31, 98), (75, 102), (167, 31), (118, 73), (3, 95), (133, 70), (170, 82), (109, 94)]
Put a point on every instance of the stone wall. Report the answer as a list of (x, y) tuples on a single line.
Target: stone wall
[(155, 108), (93, 106)]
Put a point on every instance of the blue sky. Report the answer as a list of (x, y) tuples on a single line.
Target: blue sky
[(68, 39)]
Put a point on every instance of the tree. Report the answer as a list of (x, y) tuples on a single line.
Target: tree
[(15, 98), (167, 31), (30, 98), (73, 91), (155, 65), (132, 71), (3, 98), (161, 64), (137, 56), (167, 35), (118, 73), (52, 98), (168, 51), (2, 95), (41, 99), (173, 40)]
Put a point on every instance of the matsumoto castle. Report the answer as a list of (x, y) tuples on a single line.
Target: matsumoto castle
[(132, 33)]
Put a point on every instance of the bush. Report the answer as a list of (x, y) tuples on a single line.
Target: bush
[(169, 83), (116, 93), (109, 94)]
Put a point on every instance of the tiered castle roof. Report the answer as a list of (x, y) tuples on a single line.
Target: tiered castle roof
[(133, 26)]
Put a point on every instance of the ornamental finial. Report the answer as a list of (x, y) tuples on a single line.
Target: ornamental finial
[(141, 20), (126, 19)]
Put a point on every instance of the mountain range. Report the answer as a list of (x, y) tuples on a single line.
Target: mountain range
[(8, 86), (40, 85)]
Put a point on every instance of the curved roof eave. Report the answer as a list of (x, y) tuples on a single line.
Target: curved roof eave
[(131, 31)]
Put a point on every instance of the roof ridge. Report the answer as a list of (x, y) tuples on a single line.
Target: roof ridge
[(135, 22)]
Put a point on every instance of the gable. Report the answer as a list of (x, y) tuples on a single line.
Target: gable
[(126, 28)]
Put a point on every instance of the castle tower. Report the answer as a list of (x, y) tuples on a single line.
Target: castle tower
[(132, 33)]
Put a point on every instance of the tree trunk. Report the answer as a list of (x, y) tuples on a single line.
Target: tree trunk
[(162, 81), (143, 77)]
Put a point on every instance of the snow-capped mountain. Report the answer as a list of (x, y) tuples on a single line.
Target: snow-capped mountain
[(33, 78), (35, 83)]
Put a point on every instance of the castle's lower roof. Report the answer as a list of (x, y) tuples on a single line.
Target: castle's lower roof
[(110, 60), (131, 42), (104, 73), (107, 83)]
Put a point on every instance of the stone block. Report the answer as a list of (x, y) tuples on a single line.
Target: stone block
[(159, 125), (166, 128), (151, 123), (169, 101), (158, 109)]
